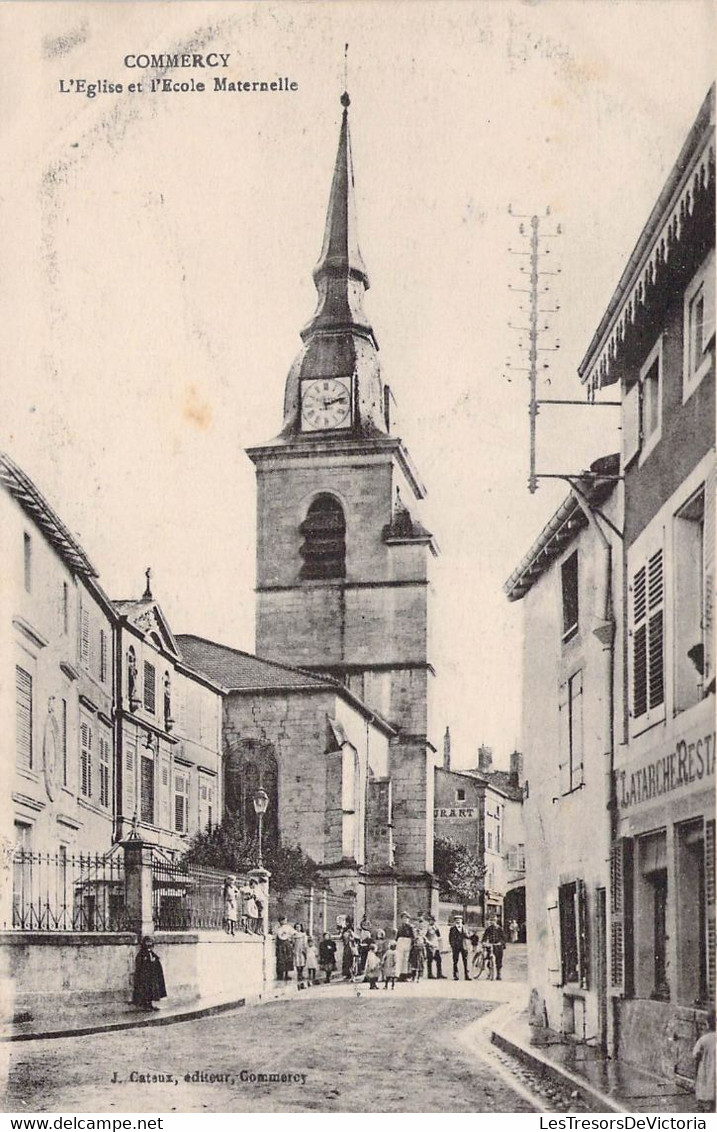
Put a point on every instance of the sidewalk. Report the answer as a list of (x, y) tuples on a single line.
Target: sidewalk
[(104, 1017), (605, 1085)]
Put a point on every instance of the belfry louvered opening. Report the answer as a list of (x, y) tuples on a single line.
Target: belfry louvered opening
[(324, 547)]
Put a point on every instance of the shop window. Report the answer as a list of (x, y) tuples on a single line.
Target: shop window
[(650, 927), (569, 584), (573, 933), (324, 547), (699, 327), (648, 653), (691, 913), (691, 657), (23, 718)]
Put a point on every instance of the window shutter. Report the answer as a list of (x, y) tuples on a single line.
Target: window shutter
[(621, 916), (23, 695), (85, 637), (563, 740), (129, 780), (709, 577), (710, 904), (656, 651), (631, 424), (583, 936), (576, 729), (708, 326)]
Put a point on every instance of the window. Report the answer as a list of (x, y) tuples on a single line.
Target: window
[(693, 661), (650, 928), (85, 637), (569, 583), (181, 801), (85, 760), (650, 394), (149, 687), (699, 327), (63, 739), (648, 661), (206, 803), (460, 795), (572, 905), (103, 656), (104, 770), (147, 789), (489, 840), (571, 733), (324, 547), (27, 562), (65, 608), (497, 839), (23, 716)]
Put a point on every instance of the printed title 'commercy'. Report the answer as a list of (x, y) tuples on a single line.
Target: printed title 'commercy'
[(163, 62)]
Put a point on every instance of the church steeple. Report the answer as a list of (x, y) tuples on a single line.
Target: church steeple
[(339, 342), (340, 274)]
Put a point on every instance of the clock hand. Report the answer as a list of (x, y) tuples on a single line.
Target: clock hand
[(334, 400)]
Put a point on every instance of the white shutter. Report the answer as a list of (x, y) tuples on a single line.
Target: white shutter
[(630, 423), (563, 740)]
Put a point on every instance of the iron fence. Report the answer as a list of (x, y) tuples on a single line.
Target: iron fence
[(56, 892), (186, 897)]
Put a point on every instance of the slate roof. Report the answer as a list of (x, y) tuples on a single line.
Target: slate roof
[(239, 671), (496, 779)]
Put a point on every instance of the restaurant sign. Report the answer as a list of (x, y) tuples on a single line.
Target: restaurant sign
[(465, 812), (690, 760)]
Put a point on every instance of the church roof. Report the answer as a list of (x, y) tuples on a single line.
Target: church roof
[(238, 671)]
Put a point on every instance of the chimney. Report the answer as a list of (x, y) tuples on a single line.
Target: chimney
[(485, 759), (516, 768), (447, 749)]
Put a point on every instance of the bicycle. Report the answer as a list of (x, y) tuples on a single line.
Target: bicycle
[(484, 961)]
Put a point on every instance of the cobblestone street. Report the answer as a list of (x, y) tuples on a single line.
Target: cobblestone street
[(401, 1051)]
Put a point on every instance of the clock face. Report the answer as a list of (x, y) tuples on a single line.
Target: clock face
[(326, 403)]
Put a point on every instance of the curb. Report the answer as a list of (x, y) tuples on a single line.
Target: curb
[(589, 1094), (128, 1024)]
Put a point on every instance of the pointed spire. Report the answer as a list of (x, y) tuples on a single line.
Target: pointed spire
[(147, 595), (340, 274)]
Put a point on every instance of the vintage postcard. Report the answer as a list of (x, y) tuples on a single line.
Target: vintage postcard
[(358, 543)]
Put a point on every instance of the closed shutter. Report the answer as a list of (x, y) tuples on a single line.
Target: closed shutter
[(563, 739), (621, 917), (86, 760), (147, 791), (23, 738), (630, 424), (129, 779), (85, 637), (710, 906), (648, 644), (709, 578), (583, 936), (149, 687)]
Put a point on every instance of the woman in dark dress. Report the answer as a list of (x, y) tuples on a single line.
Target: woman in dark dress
[(148, 976)]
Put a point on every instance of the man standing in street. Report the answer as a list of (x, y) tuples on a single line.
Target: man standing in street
[(458, 939), (494, 935), (433, 948)]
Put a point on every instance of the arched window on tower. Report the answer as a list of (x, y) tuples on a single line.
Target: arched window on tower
[(324, 547)]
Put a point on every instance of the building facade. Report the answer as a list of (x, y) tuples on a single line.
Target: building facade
[(483, 810), (570, 587), (56, 642), (343, 563), (619, 729), (656, 343), (169, 733)]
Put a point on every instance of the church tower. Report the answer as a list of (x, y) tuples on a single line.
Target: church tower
[(343, 565)]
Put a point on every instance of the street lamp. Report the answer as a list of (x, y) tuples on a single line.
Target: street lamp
[(261, 804)]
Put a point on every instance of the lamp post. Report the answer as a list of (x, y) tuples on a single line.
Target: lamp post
[(261, 804)]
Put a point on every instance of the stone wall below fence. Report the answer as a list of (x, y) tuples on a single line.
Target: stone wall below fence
[(40, 972)]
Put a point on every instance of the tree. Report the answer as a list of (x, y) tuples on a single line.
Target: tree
[(224, 847), (460, 873)]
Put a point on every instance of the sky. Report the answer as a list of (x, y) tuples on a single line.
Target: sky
[(158, 250)]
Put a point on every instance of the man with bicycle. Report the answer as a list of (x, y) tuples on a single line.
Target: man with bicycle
[(495, 936)]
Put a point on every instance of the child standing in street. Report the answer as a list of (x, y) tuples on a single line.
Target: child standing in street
[(312, 962), (327, 956), (704, 1055), (390, 966), (372, 968)]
